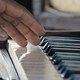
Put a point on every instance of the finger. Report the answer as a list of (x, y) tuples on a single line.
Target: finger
[(7, 17), (3, 35), (17, 11), (29, 35), (13, 33), (2, 6), (27, 19)]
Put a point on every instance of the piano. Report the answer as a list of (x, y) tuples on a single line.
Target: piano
[(56, 58)]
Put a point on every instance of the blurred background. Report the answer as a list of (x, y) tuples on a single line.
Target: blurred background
[(55, 14)]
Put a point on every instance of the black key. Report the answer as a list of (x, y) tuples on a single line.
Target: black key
[(53, 50), (58, 59), (65, 66), (41, 38), (63, 62), (45, 46), (63, 54), (74, 77), (1, 79), (42, 43), (62, 39), (54, 39), (69, 71), (48, 46), (62, 45)]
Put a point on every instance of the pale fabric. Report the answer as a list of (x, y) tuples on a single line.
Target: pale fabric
[(66, 5)]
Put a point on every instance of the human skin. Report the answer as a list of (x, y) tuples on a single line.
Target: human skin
[(17, 22)]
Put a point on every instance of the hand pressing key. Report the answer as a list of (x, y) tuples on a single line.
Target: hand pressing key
[(18, 23)]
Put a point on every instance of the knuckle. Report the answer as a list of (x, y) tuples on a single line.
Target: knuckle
[(31, 25), (4, 25), (26, 33), (15, 23), (20, 18)]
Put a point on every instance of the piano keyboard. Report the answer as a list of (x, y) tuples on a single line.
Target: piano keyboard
[(34, 62), (64, 55), (57, 58)]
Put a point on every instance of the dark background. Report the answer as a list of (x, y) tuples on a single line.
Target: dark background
[(26, 3)]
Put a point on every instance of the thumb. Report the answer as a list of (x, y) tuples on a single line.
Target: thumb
[(3, 35)]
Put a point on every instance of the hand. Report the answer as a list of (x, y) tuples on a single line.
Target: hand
[(18, 23)]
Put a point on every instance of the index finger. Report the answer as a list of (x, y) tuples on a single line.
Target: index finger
[(23, 15)]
